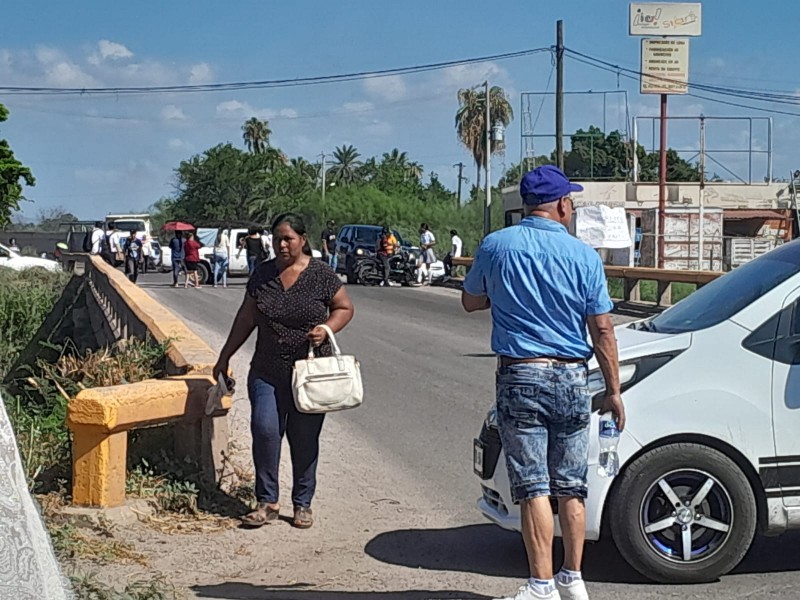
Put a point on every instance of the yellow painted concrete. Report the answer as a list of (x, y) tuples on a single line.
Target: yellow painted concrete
[(100, 418), (98, 467), (187, 351)]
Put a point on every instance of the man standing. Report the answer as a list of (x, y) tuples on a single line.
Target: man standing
[(456, 246), (329, 235), (133, 252), (544, 287), (97, 238), (427, 241), (178, 254)]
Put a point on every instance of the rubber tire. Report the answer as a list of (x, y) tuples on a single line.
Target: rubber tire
[(204, 273), (623, 512), (349, 272)]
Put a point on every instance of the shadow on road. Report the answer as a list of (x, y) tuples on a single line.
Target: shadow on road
[(489, 550), (245, 591)]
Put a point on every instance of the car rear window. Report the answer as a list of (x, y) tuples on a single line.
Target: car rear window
[(724, 297)]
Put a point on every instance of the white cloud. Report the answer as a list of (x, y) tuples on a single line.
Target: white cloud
[(717, 63), (288, 113), (235, 109), (68, 74), (113, 50), (378, 128), (47, 55), (473, 74), (392, 87), (97, 176), (173, 113), (358, 107), (199, 73), (178, 144)]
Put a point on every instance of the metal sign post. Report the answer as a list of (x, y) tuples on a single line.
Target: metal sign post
[(665, 70)]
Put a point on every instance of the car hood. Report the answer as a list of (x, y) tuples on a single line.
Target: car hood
[(634, 343), (28, 262)]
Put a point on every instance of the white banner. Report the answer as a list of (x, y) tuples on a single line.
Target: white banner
[(602, 226)]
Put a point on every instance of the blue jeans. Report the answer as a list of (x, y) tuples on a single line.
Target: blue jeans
[(176, 270), (273, 414), (332, 260), (251, 264), (220, 268), (543, 418)]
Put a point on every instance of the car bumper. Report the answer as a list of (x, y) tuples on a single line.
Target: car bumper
[(495, 502)]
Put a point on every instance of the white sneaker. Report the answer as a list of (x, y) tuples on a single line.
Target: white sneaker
[(526, 592), (574, 590)]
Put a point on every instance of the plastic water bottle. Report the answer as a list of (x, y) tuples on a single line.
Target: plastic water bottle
[(608, 463)]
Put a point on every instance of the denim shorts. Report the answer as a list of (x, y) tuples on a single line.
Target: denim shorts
[(543, 418)]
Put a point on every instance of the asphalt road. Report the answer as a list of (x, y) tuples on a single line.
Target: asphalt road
[(429, 371)]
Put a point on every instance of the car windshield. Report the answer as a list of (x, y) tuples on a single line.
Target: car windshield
[(129, 225), (369, 235), (724, 297)]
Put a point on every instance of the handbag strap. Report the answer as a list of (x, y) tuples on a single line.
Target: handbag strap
[(336, 350)]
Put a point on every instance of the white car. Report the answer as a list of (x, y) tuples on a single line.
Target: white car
[(710, 455), (14, 260)]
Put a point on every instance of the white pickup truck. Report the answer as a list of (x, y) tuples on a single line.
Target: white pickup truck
[(237, 258)]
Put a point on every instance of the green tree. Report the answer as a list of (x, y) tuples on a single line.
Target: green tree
[(255, 133), (51, 218), (345, 167), (13, 175), (471, 122)]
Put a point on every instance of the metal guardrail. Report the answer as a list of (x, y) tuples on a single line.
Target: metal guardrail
[(100, 418), (633, 276)]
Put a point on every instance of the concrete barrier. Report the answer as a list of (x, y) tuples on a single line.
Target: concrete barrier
[(100, 418)]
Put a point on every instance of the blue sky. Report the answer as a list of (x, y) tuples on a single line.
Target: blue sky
[(94, 155)]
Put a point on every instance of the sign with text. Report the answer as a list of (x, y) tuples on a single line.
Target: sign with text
[(665, 66), (602, 226), (665, 18)]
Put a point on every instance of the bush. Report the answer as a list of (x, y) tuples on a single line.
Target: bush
[(26, 298)]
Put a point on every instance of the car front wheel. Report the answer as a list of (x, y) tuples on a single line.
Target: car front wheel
[(682, 513)]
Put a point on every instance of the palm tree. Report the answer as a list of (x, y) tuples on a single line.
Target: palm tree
[(256, 134), (415, 170), (345, 165), (303, 169), (396, 158), (471, 121)]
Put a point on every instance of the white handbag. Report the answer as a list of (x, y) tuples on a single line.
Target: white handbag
[(323, 384)]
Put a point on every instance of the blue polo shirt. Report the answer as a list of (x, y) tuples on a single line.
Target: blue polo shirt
[(543, 284)]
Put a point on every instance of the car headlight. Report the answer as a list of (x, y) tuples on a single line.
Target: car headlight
[(359, 251), (631, 372), (491, 418)]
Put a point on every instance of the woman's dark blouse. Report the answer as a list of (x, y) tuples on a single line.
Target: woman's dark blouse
[(284, 317)]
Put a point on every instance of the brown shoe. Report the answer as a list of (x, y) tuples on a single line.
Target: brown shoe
[(303, 517), (262, 515)]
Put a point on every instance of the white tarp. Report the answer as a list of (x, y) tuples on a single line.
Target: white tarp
[(602, 226)]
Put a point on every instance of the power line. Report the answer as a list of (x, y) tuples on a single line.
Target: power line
[(635, 76), (269, 83)]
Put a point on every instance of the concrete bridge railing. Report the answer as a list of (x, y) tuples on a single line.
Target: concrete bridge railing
[(100, 418)]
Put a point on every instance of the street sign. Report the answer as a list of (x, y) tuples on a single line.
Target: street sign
[(665, 18), (665, 66)]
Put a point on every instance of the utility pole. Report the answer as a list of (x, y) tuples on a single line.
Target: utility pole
[(487, 209), (560, 94), (662, 181), (461, 178)]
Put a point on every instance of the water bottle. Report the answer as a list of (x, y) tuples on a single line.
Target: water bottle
[(608, 463)]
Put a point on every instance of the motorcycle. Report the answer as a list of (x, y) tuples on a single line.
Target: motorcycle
[(402, 270)]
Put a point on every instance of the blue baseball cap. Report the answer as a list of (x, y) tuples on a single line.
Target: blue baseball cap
[(546, 184)]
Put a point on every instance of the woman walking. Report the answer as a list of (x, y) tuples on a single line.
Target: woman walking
[(191, 249), (222, 247), (254, 246), (287, 300)]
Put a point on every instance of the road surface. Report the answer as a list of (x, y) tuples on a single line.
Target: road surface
[(428, 370)]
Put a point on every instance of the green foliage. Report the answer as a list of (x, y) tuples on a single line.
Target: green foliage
[(12, 172), (26, 298), (166, 493), (88, 587)]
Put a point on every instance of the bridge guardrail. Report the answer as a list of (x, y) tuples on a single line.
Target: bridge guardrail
[(100, 418), (633, 276)]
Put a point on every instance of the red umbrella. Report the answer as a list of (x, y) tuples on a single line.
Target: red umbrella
[(178, 226)]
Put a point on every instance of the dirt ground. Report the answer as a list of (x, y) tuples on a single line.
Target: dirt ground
[(371, 521)]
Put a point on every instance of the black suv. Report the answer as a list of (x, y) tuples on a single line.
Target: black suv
[(355, 241)]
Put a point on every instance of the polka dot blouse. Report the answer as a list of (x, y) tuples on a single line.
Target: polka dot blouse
[(285, 316)]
